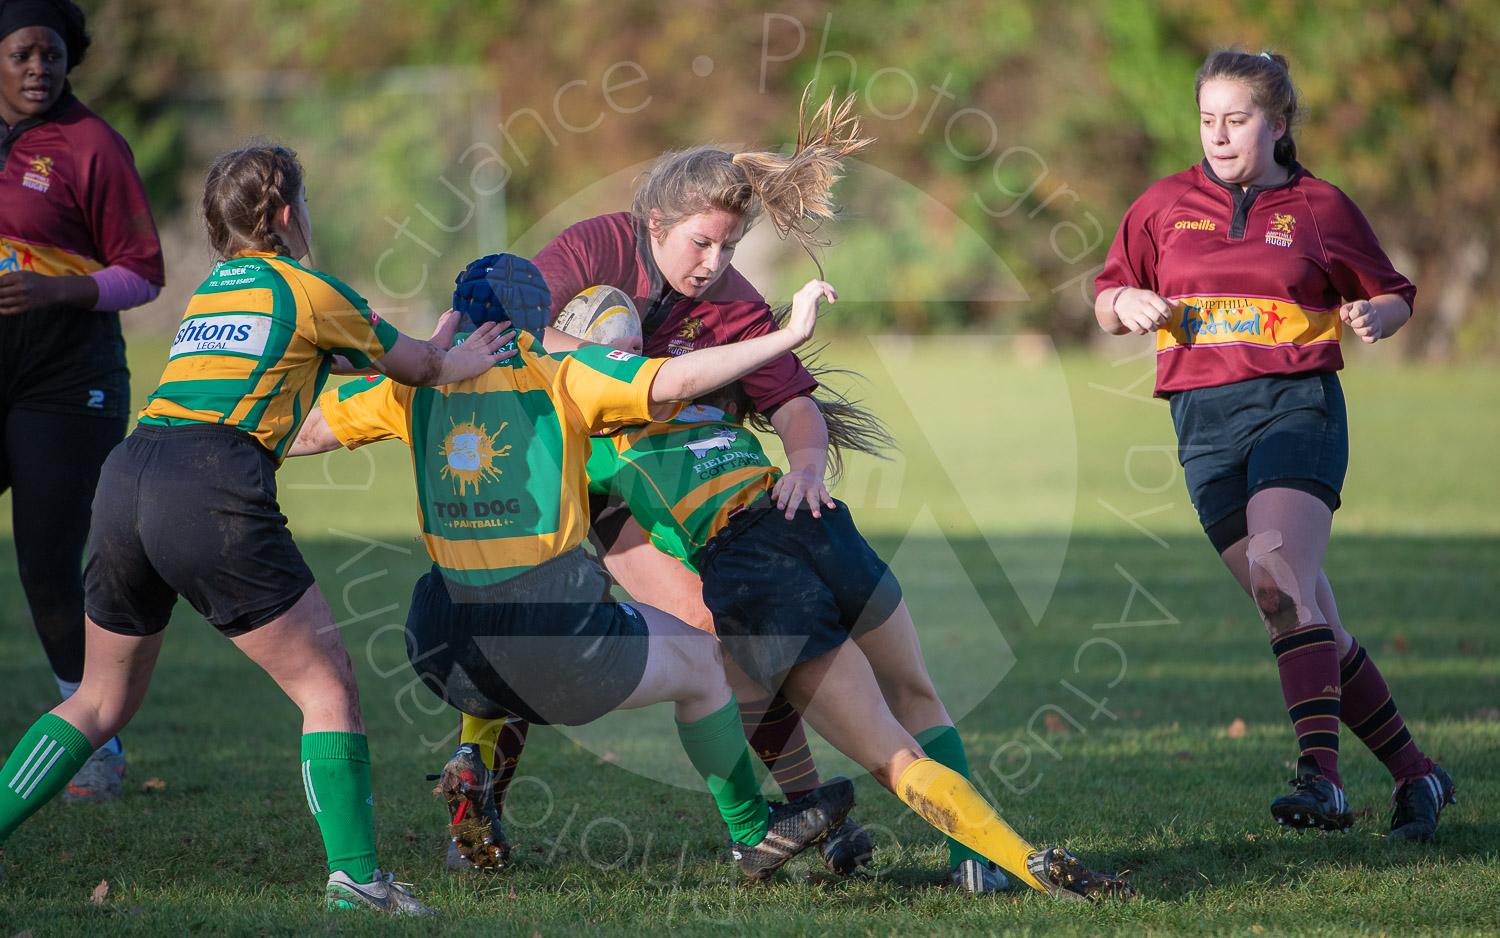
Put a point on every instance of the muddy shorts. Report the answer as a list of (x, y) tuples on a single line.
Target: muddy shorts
[(549, 645), (783, 592), (190, 511)]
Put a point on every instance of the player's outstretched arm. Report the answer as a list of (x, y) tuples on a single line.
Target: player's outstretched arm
[(315, 437), (422, 364), (696, 373)]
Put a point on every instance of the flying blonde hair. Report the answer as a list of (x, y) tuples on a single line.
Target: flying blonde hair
[(793, 190)]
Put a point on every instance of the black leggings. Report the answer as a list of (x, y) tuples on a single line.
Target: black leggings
[(51, 461)]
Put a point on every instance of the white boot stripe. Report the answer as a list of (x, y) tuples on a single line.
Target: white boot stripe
[(50, 762), (36, 762), (19, 772)]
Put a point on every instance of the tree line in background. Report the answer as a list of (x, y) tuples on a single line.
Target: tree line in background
[(1012, 134)]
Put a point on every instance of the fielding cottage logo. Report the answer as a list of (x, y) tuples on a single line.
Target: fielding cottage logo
[(1201, 224), (38, 174), (1279, 231)]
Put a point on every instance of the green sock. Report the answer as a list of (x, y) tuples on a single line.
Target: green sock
[(716, 747), (39, 768), (944, 746), (336, 777)]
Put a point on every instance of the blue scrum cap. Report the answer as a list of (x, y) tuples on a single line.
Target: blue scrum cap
[(498, 287)]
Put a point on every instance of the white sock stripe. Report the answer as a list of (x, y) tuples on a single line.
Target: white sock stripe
[(29, 767), (1437, 791), (20, 772), (312, 796), (50, 762)]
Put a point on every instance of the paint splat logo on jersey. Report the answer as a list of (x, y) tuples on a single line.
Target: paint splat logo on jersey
[(471, 454), (1279, 232), (686, 338), (38, 174)]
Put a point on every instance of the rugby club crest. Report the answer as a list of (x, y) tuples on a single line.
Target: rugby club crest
[(1279, 231), (38, 174)]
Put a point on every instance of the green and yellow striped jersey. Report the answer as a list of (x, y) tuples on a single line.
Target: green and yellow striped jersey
[(256, 345), (499, 459), (683, 477)]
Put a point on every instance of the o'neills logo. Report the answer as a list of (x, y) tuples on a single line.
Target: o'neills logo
[(1202, 224)]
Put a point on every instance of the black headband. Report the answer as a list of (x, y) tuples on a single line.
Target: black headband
[(19, 14)]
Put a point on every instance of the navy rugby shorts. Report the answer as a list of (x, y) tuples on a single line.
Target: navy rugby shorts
[(783, 592), (549, 645), (190, 511), (1273, 431)]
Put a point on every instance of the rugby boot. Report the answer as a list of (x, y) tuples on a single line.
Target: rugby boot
[(794, 827), (473, 823), (99, 779), (1064, 877), (1417, 802), (382, 894), (978, 877), (846, 848), (1314, 802)]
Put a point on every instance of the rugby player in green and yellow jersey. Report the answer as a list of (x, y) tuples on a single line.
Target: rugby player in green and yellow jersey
[(787, 594), (515, 618)]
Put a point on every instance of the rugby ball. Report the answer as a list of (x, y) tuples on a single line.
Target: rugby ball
[(600, 314)]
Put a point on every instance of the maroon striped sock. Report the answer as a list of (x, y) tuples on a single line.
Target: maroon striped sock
[(777, 736), (508, 748), (1309, 664), (1370, 712)]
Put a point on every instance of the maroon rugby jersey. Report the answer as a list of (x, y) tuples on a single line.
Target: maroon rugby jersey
[(1262, 272), (71, 202), (607, 250)]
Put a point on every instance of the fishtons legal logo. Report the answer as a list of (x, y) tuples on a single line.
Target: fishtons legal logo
[(1279, 232)]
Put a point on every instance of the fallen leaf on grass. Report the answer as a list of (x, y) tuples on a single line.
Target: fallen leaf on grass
[(1258, 929), (1237, 729), (1401, 645), (153, 784), (607, 757), (100, 891), (1055, 724), (1186, 756)]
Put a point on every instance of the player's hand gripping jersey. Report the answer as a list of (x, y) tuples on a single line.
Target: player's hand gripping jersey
[(256, 345), (683, 478), (499, 459), (1261, 274)]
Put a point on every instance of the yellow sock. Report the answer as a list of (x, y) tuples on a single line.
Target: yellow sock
[(484, 734), (948, 802)]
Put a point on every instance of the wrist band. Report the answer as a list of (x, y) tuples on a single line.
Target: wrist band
[(1114, 305)]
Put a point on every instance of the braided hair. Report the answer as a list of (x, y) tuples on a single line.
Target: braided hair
[(793, 190), (244, 193), (1269, 78)]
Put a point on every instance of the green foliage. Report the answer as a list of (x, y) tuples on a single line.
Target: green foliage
[(1033, 124)]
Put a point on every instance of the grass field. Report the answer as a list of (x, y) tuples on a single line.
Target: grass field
[(1072, 614)]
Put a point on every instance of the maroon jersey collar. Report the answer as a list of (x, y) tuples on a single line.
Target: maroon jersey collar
[(663, 296), (1244, 198)]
